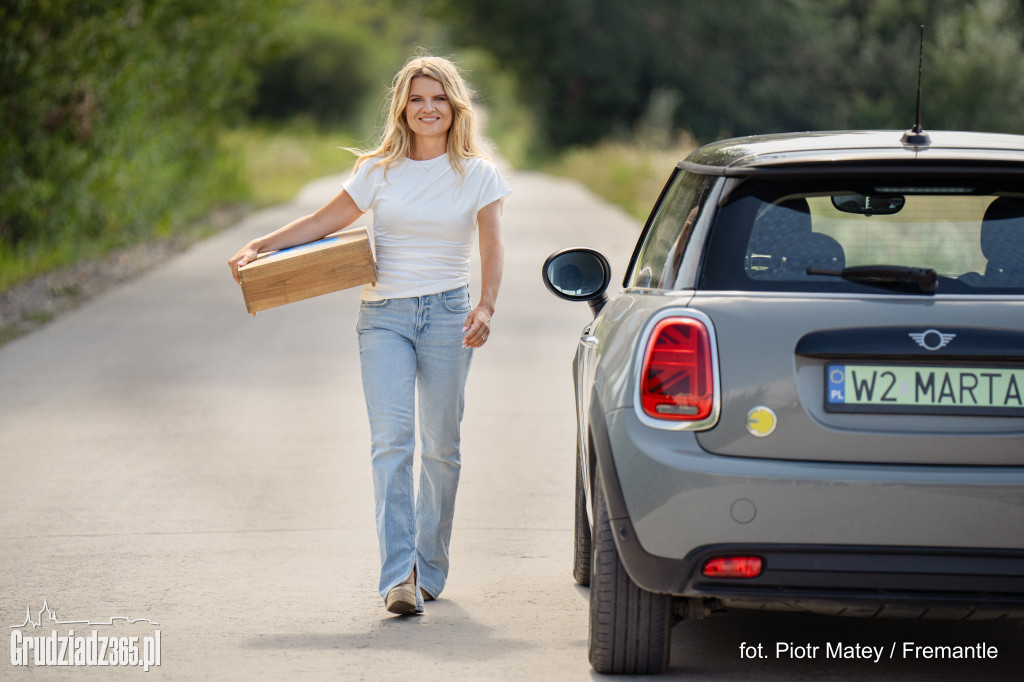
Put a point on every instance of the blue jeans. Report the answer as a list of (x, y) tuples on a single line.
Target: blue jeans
[(409, 348)]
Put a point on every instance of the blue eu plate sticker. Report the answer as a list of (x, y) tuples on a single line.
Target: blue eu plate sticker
[(836, 383)]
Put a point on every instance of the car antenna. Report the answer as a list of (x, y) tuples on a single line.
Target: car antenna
[(916, 136)]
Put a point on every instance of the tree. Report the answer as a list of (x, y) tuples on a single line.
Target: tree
[(590, 67), (110, 111)]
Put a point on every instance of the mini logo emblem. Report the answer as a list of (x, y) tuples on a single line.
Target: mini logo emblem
[(932, 339), (761, 421)]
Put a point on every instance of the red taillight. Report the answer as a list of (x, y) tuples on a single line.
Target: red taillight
[(676, 380), (732, 567)]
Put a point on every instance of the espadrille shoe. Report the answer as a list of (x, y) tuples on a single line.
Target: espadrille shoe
[(401, 599)]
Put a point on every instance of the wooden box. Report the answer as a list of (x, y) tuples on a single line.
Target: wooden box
[(338, 261)]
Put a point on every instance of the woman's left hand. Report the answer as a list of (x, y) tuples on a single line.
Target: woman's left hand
[(492, 261), (478, 328)]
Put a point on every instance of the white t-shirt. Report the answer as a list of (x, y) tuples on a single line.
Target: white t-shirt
[(424, 221)]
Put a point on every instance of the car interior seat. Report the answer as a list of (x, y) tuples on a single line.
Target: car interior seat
[(783, 244), (1002, 242)]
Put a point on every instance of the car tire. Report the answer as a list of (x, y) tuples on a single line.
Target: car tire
[(581, 532), (630, 628)]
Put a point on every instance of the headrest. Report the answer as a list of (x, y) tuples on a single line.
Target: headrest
[(1002, 231), (786, 219)]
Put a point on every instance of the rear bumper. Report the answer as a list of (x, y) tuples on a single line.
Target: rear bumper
[(840, 536), (868, 581)]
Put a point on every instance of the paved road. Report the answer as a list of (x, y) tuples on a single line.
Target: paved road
[(166, 457)]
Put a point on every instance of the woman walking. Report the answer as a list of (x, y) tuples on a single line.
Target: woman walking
[(432, 190)]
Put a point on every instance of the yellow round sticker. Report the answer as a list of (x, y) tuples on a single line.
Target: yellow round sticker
[(761, 421)]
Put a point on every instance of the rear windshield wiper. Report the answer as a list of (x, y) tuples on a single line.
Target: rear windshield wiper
[(920, 280)]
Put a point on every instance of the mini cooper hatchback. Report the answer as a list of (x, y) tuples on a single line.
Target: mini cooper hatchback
[(809, 394)]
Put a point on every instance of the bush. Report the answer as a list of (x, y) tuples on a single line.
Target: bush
[(110, 112)]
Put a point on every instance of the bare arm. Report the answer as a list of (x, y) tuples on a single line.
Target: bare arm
[(492, 264), (337, 214)]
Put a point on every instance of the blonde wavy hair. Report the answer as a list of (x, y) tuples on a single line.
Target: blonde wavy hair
[(465, 140)]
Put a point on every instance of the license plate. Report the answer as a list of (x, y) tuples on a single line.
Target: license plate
[(924, 389)]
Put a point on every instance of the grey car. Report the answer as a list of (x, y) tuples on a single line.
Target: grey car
[(809, 394)]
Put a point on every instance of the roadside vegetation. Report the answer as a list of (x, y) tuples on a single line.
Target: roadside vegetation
[(123, 121), (630, 174), (110, 118), (277, 160)]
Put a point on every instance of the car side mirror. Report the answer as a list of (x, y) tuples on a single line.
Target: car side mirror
[(578, 275)]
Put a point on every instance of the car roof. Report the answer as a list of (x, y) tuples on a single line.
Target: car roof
[(748, 155)]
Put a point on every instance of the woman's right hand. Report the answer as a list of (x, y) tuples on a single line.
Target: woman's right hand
[(246, 254), (336, 214)]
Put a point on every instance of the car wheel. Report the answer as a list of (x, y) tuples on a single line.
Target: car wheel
[(630, 628), (581, 534)]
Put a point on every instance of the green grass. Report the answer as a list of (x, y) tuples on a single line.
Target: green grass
[(8, 332), (628, 174), (278, 161), (22, 262)]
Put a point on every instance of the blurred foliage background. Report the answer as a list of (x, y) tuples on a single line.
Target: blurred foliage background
[(123, 120)]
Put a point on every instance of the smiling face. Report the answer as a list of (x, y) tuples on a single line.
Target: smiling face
[(428, 111)]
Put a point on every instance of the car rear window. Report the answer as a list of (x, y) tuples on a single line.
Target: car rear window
[(811, 237)]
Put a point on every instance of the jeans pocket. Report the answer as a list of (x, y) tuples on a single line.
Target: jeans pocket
[(374, 304), (457, 300)]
